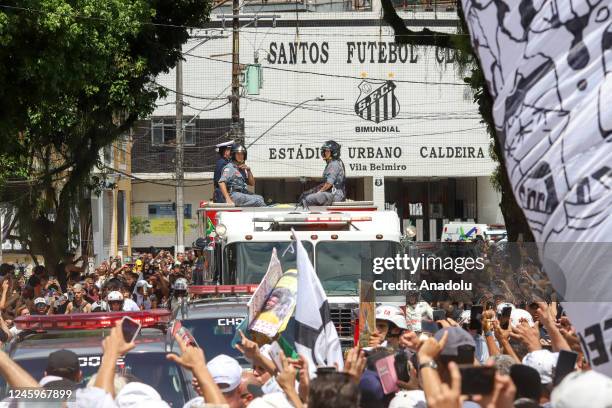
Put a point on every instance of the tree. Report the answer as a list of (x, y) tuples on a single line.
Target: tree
[(74, 76), (515, 220), (139, 225)]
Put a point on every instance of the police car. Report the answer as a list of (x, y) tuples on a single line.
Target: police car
[(83, 333), (213, 314)]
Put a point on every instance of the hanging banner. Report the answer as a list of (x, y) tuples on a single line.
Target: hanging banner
[(546, 66)]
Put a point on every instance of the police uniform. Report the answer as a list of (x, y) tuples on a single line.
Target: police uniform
[(221, 163), (236, 185), (334, 175)]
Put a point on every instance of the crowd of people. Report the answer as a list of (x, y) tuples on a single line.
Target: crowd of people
[(509, 348), (152, 280), (517, 353)]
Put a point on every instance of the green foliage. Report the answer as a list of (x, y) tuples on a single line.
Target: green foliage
[(74, 76), (139, 225)]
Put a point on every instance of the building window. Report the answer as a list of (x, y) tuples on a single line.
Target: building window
[(108, 155), (163, 132), (167, 210), (120, 218)]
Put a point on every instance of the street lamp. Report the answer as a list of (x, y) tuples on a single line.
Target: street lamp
[(317, 99)]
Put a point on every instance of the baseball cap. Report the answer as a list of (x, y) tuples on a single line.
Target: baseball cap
[(457, 337), (544, 362), (409, 399), (391, 314), (224, 144), (225, 370), (372, 392), (581, 386), (517, 315), (62, 362), (40, 300), (139, 262), (137, 394)]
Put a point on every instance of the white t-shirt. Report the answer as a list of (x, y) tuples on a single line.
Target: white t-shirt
[(130, 306)]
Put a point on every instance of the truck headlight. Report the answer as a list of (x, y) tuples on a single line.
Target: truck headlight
[(221, 230)]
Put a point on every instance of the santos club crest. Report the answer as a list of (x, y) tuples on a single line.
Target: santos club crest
[(377, 101)]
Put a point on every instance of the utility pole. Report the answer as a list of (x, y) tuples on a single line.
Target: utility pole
[(180, 231), (235, 126)]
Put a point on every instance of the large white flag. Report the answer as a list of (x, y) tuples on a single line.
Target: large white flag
[(546, 64), (315, 335)]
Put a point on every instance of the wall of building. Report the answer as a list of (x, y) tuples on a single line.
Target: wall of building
[(163, 227), (488, 202)]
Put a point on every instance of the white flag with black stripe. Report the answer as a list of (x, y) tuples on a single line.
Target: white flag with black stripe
[(315, 335)]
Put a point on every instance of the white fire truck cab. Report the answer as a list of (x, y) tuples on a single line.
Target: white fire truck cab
[(342, 240)]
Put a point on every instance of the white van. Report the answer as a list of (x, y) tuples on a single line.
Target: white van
[(466, 231)]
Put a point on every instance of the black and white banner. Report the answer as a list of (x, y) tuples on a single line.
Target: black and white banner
[(547, 64), (315, 335)]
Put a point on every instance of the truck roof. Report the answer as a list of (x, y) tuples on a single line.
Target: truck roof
[(361, 225)]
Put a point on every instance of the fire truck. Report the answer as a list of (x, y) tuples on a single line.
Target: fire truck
[(341, 240)]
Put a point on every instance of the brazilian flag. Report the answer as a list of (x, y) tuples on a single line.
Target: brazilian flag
[(210, 227)]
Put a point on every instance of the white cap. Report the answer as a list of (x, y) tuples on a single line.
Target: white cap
[(142, 283), (225, 144), (114, 296), (409, 399), (582, 386), (136, 394), (391, 314), (517, 315), (40, 300), (225, 370), (544, 362), (502, 306)]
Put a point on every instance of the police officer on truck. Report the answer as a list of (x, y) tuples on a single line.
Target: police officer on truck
[(234, 179), (224, 157), (332, 188)]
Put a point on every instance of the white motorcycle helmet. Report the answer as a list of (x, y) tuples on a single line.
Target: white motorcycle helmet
[(180, 285), (114, 297)]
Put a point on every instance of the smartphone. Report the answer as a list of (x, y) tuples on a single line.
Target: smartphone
[(274, 351), (439, 314), (505, 314), (477, 380), (385, 367), (566, 363), (475, 317), (130, 328)]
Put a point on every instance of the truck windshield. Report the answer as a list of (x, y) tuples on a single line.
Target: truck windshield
[(248, 261), (340, 264)]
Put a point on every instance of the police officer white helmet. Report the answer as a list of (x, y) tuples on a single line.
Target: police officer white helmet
[(115, 298)]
